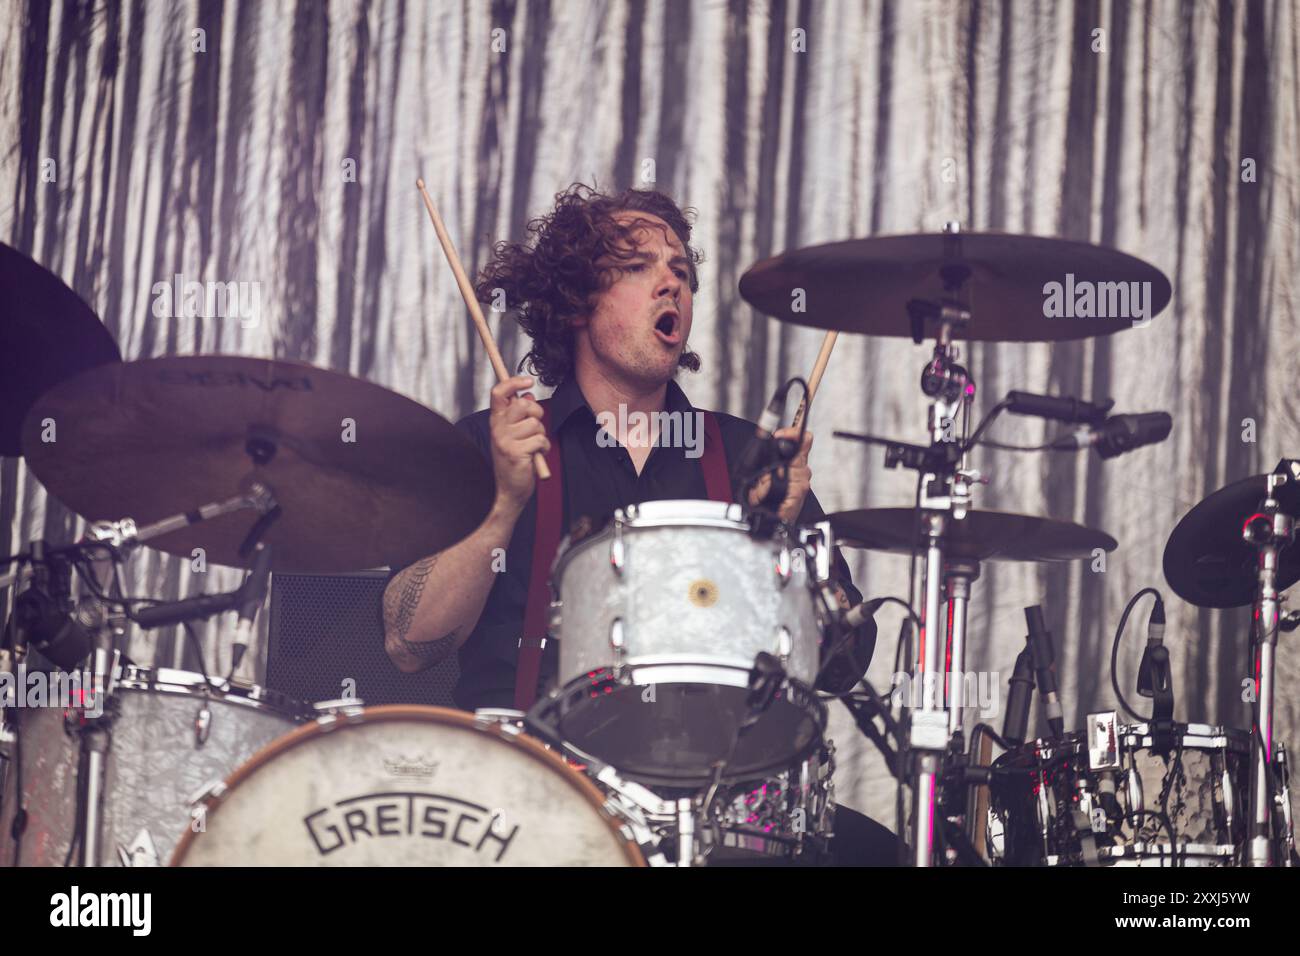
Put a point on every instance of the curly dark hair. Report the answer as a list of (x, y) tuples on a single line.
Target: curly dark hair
[(552, 278)]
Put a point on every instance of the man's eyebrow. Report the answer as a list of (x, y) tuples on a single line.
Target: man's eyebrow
[(650, 257)]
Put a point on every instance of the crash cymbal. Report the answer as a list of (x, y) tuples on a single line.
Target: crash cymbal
[(47, 335), (364, 476), (1207, 562), (980, 536), (865, 285)]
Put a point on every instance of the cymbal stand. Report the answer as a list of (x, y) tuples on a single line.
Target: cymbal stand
[(125, 534), (944, 497), (1269, 530)]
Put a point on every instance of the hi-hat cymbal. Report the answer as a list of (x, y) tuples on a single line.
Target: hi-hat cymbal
[(865, 285), (364, 477), (980, 536), (47, 334), (1209, 564)]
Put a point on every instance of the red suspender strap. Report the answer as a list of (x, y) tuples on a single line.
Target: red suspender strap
[(717, 478), (546, 541)]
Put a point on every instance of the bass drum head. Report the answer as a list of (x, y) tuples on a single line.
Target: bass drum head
[(406, 786)]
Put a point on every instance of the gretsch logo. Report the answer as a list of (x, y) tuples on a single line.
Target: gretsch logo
[(413, 816)]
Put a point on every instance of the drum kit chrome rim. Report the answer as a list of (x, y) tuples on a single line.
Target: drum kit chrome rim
[(682, 756)]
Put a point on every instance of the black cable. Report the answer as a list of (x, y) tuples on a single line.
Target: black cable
[(1002, 446), (987, 420), (1169, 828), (197, 647), (18, 825), (1114, 654), (79, 804), (993, 735)]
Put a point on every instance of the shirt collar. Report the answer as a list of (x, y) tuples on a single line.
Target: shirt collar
[(568, 398)]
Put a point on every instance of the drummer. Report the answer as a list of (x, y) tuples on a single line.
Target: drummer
[(604, 288)]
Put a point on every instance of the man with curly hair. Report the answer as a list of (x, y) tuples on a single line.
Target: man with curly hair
[(605, 290)]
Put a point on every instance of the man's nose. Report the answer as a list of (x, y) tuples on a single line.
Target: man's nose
[(670, 285)]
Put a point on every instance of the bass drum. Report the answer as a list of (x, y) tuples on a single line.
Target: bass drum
[(406, 786)]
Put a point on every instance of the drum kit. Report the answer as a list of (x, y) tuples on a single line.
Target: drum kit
[(685, 727)]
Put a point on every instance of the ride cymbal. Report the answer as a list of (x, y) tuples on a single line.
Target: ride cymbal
[(865, 285)]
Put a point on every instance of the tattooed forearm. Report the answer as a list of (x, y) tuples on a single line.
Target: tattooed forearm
[(428, 652), (402, 597), (401, 601)]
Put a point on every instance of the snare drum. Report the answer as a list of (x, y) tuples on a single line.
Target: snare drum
[(406, 786), (660, 616), (171, 734), (1108, 797)]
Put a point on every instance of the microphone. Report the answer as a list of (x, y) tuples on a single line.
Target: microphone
[(1119, 434), (758, 452), (1155, 639), (250, 598), (851, 656), (46, 617), (1020, 696), (860, 613), (1059, 408), (1044, 660), (205, 605), (1155, 677)]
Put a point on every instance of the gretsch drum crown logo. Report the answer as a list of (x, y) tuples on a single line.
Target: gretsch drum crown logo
[(410, 767)]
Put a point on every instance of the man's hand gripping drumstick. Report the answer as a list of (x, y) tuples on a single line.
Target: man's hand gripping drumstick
[(432, 607), (476, 311)]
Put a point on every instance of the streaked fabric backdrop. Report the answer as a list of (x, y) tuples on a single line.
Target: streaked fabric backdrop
[(281, 146)]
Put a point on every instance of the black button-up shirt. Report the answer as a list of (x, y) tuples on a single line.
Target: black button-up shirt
[(597, 481)]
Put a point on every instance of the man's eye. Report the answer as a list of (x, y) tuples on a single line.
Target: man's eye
[(680, 273)]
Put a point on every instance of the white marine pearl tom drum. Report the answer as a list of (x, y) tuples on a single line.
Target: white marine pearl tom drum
[(660, 616)]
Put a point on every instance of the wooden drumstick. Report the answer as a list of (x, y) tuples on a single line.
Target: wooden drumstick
[(475, 310), (819, 368)]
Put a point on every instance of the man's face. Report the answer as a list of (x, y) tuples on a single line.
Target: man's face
[(642, 317)]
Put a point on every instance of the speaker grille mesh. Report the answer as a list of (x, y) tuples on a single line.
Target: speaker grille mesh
[(326, 629)]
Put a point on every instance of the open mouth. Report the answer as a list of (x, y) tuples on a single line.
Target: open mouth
[(666, 327)]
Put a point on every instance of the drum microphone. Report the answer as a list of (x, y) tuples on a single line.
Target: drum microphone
[(46, 617), (1020, 697), (250, 598), (850, 657), (761, 448), (1155, 678), (1044, 660), (1119, 434), (1072, 411)]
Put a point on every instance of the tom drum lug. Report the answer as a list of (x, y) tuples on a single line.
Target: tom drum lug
[(617, 549), (618, 644)]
